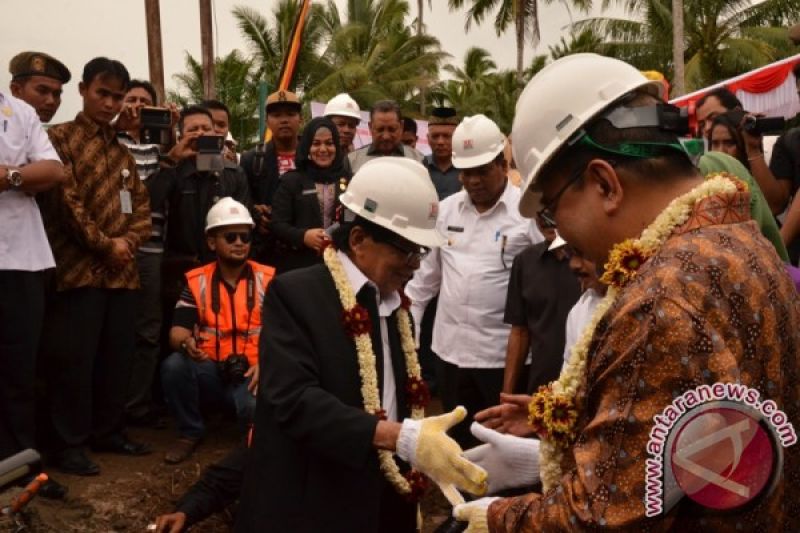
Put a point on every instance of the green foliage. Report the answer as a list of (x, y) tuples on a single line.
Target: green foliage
[(236, 87), (723, 38)]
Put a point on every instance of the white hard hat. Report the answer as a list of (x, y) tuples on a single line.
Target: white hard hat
[(228, 212), (342, 105), (476, 141), (396, 193), (557, 102)]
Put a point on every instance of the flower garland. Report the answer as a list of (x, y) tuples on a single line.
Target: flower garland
[(356, 322), (553, 411)]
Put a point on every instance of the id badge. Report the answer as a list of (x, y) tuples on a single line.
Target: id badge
[(125, 202)]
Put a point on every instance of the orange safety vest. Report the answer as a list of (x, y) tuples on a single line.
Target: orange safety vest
[(220, 314)]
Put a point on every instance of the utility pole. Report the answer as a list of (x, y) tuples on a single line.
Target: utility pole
[(207, 49), (679, 86), (155, 55), (420, 11)]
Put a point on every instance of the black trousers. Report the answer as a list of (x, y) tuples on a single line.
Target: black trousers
[(474, 388), (397, 515), (21, 314), (89, 336)]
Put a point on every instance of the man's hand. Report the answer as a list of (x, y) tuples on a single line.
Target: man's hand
[(315, 239), (170, 523), (121, 253), (129, 118), (425, 444), (192, 349), (264, 213), (475, 513), (185, 148), (511, 462), (252, 373), (511, 416)]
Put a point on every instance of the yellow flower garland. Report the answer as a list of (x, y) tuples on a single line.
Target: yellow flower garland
[(618, 271), (367, 364)]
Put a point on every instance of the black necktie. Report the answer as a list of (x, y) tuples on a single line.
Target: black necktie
[(367, 298)]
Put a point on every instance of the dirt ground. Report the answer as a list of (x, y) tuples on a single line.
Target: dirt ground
[(131, 491)]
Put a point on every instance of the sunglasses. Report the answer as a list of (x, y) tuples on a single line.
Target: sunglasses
[(231, 236)]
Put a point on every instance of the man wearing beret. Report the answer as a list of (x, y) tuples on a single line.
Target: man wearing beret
[(37, 79)]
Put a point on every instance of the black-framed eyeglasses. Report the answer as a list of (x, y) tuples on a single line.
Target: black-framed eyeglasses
[(413, 254), (548, 212), (231, 236)]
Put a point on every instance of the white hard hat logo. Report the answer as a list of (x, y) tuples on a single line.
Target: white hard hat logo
[(370, 205), (468, 145), (434, 211)]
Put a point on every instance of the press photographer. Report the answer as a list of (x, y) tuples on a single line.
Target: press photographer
[(215, 331), (775, 186)]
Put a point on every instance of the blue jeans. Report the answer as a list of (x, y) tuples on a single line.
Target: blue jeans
[(188, 384)]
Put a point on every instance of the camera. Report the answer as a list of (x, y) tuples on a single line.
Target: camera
[(233, 368), (763, 125), (155, 125), (209, 153)]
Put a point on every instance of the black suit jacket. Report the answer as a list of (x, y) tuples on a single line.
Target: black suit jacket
[(295, 209), (312, 466)]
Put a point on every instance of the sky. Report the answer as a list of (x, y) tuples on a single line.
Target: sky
[(74, 31)]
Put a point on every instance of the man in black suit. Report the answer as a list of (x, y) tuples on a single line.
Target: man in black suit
[(316, 461)]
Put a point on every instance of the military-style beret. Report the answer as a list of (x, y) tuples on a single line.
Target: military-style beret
[(38, 64), (283, 98)]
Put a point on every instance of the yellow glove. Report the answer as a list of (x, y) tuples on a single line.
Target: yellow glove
[(474, 512), (425, 444)]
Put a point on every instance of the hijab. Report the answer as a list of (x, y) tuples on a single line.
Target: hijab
[(303, 160)]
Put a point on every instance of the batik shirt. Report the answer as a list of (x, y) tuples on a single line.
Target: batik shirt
[(84, 213), (713, 305)]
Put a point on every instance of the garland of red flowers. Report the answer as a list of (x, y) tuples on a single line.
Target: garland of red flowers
[(357, 324)]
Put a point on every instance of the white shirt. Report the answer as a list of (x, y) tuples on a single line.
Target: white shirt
[(577, 319), (471, 274), (386, 306), (23, 242)]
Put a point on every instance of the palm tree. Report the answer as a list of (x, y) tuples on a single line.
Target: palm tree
[(524, 14), (236, 87), (268, 41), (723, 38), (372, 54)]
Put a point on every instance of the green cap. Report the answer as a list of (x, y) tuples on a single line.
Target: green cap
[(27, 64)]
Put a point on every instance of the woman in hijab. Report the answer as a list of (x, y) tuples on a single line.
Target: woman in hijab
[(306, 200)]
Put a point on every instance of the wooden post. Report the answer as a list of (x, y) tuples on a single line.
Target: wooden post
[(207, 49), (155, 55), (679, 81)]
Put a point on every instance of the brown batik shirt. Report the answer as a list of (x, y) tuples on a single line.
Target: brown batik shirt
[(84, 213), (713, 305)]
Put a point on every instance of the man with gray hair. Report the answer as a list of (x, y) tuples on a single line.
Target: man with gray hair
[(386, 128)]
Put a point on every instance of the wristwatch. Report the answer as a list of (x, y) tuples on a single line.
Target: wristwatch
[(14, 178)]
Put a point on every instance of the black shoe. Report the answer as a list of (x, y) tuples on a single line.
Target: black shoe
[(75, 461), (120, 444), (50, 489)]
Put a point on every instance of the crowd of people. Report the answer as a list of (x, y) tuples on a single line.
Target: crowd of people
[(556, 293)]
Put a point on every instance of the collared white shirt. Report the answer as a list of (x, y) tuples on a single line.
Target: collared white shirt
[(577, 319), (470, 273), (23, 241), (386, 306)]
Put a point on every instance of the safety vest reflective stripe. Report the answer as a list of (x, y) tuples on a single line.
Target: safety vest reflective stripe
[(249, 333)]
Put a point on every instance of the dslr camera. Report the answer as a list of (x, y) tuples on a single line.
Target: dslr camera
[(155, 125), (763, 125), (233, 368), (209, 153)]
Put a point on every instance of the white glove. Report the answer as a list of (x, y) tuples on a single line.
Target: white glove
[(474, 512), (426, 445), (510, 461)]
